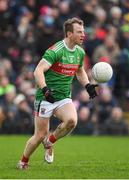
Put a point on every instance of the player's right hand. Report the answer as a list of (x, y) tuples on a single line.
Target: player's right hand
[(48, 94), (91, 90)]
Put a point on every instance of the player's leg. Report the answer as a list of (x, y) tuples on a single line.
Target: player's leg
[(68, 115), (41, 130)]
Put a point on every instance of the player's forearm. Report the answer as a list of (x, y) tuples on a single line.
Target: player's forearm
[(39, 77), (41, 68), (82, 77)]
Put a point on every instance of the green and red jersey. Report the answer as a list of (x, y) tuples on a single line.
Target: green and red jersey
[(64, 65)]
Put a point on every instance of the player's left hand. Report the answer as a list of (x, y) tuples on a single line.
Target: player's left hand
[(91, 90)]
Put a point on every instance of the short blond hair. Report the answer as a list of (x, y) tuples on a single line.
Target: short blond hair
[(68, 25)]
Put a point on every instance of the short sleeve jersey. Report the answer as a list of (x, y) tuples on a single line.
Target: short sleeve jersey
[(64, 65)]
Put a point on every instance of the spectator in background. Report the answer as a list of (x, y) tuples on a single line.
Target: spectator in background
[(32, 7), (27, 43), (108, 4), (83, 101), (100, 17), (115, 124), (45, 28), (115, 16), (85, 126), (5, 15), (105, 104), (65, 13), (125, 7), (23, 26), (5, 86), (8, 104), (3, 72), (23, 117), (25, 87), (8, 68), (122, 71), (124, 36), (76, 6), (87, 13), (96, 130), (30, 95), (112, 31), (9, 109), (109, 50)]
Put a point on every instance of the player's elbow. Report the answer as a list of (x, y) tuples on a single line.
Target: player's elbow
[(37, 73)]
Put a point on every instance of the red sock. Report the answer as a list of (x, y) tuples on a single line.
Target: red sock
[(24, 159), (52, 138)]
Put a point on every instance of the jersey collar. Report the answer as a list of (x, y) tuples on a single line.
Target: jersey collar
[(72, 50)]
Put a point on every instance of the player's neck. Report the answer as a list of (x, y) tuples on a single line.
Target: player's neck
[(69, 44)]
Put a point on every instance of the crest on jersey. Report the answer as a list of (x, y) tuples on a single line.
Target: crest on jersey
[(71, 59), (64, 58)]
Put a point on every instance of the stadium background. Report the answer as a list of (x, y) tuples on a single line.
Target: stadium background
[(28, 28)]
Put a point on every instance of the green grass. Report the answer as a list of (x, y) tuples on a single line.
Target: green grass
[(75, 158)]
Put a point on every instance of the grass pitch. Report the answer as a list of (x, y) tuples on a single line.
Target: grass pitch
[(75, 158)]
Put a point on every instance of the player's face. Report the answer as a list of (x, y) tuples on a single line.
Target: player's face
[(78, 34)]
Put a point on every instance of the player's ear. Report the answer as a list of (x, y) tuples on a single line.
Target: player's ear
[(69, 34)]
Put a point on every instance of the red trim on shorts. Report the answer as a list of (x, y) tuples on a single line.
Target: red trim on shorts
[(36, 113)]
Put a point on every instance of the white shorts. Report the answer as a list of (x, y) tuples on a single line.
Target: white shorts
[(46, 109)]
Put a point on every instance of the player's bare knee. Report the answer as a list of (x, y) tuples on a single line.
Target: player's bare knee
[(40, 136), (72, 122)]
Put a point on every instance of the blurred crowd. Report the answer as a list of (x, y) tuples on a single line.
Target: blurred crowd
[(29, 27)]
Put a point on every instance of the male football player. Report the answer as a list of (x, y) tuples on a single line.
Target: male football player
[(54, 75)]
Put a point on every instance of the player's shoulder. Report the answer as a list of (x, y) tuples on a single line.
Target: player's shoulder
[(58, 46), (80, 49)]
